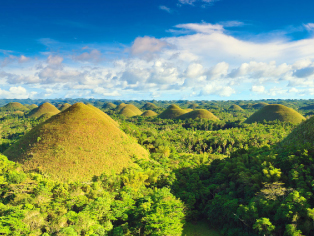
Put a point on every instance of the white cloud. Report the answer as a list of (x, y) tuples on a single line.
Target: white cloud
[(106, 93), (147, 44), (258, 89), (309, 26), (164, 8), (194, 70), (16, 92), (54, 60), (93, 56), (23, 59), (213, 89), (205, 28)]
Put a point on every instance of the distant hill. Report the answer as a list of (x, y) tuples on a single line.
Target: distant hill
[(259, 105), (42, 109), (193, 106), (302, 134), (276, 112), (64, 106), (76, 144), (235, 107), (14, 106), (130, 110), (149, 106), (149, 113), (198, 113), (119, 107), (309, 107), (172, 112), (109, 105), (31, 107)]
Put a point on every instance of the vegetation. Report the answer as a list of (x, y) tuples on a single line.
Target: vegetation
[(149, 106), (235, 107), (76, 144), (64, 106), (202, 177), (109, 105), (43, 109), (173, 111), (120, 106), (276, 112), (259, 105), (14, 106)]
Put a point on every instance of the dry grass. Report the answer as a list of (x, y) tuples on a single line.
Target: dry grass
[(130, 110), (235, 107), (149, 106), (64, 106), (109, 105), (172, 112), (198, 113), (276, 112), (76, 144), (120, 106), (42, 109), (149, 113), (14, 106)]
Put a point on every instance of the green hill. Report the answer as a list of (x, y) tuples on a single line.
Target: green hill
[(198, 113), (120, 106), (42, 109), (276, 112), (109, 105), (64, 106), (259, 105), (149, 106), (235, 107), (14, 106), (149, 113), (31, 107), (172, 112), (75, 144), (130, 110), (193, 106), (302, 134)]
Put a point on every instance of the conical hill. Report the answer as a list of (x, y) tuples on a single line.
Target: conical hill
[(235, 107), (259, 105), (303, 133), (31, 107), (149, 113), (172, 112), (193, 106), (276, 112), (42, 109), (75, 144), (198, 113), (64, 106), (109, 105), (120, 106), (130, 110), (149, 106), (14, 106)]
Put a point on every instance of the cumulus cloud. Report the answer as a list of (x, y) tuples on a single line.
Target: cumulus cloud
[(93, 56), (147, 44), (54, 60), (258, 89), (16, 92), (213, 89)]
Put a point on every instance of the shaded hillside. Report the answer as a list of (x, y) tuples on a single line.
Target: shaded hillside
[(198, 113), (75, 144), (130, 110), (14, 106), (259, 105), (149, 106), (149, 113), (276, 112), (31, 107), (109, 105), (309, 107), (193, 106), (173, 111), (120, 106), (42, 109), (64, 106)]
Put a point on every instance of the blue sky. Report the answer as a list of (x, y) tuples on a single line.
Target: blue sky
[(157, 49)]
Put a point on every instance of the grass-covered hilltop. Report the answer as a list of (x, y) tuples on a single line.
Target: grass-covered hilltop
[(186, 168), (276, 112), (14, 106), (76, 144)]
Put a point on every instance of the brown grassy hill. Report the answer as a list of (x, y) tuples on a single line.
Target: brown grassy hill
[(276, 112), (119, 107), (14, 106), (104, 115), (198, 113), (31, 107), (172, 112), (130, 110), (64, 106), (235, 107), (19, 113), (109, 105), (149, 113), (149, 106), (259, 105), (75, 144), (303, 133), (42, 109)]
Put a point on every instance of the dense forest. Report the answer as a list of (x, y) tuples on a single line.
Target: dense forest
[(208, 172)]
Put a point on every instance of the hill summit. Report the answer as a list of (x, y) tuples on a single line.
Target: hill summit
[(149, 106), (109, 105), (173, 111), (198, 113), (42, 110), (14, 106), (149, 113), (276, 112), (75, 144), (64, 106), (130, 110), (235, 107)]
